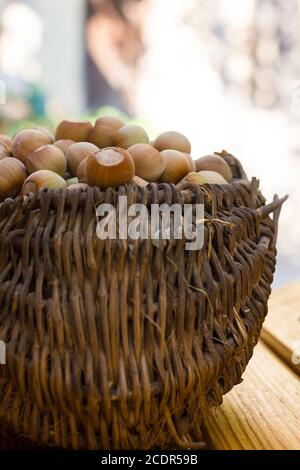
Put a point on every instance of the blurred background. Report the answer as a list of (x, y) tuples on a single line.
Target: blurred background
[(223, 72)]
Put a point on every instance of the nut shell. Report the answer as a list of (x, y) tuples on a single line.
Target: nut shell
[(149, 162), (192, 178), (178, 165), (45, 131), (27, 141), (70, 130), (102, 136), (77, 152), (43, 179), (6, 142), (200, 178), (214, 163), (173, 140), (213, 177), (12, 175), (130, 135), (109, 167), (81, 170), (110, 121), (48, 157), (63, 144), (4, 153)]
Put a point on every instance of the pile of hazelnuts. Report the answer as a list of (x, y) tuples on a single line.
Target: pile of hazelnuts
[(107, 154)]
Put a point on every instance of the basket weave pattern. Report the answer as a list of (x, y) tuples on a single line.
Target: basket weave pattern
[(120, 344)]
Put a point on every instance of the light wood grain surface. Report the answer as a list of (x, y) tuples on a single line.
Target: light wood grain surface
[(281, 330), (261, 413)]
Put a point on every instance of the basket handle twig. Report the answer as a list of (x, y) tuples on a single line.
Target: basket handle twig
[(276, 216), (274, 206)]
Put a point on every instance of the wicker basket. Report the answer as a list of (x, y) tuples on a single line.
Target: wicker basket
[(124, 345)]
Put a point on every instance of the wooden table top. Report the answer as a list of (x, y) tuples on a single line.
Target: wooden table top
[(263, 413)]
